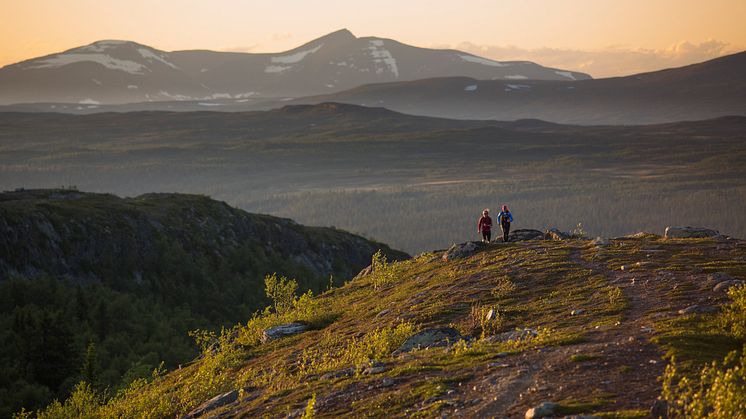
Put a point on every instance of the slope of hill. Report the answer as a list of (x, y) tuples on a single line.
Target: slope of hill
[(588, 325), (706, 90), (126, 278), (123, 71)]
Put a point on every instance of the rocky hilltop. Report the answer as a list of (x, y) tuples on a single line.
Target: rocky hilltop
[(101, 237), (547, 326)]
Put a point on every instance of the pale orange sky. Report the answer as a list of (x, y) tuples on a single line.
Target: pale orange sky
[(602, 37)]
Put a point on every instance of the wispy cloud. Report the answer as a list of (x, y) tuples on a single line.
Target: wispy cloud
[(607, 62)]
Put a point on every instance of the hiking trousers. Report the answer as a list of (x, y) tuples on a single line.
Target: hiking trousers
[(506, 230)]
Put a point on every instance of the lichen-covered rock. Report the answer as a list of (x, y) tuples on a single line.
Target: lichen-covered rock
[(525, 234), (543, 410), (460, 251), (430, 338), (212, 404), (283, 330), (689, 232)]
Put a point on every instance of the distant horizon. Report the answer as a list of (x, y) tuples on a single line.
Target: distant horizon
[(599, 38)]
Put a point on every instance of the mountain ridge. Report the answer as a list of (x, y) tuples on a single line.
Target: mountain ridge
[(115, 71)]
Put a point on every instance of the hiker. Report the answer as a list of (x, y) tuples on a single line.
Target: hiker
[(484, 226), (505, 218)]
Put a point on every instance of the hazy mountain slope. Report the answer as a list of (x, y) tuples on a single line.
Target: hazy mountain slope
[(414, 182), (589, 327), (705, 90), (104, 288), (122, 71)]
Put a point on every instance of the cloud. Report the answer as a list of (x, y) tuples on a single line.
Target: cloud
[(611, 61)]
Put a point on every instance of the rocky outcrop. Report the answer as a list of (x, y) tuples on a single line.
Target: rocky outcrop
[(460, 251), (212, 404), (689, 233), (88, 237), (555, 234), (525, 234), (430, 338), (282, 331)]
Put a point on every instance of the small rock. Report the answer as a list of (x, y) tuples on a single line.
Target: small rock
[(283, 330), (659, 410), (577, 311), (387, 382), (546, 409), (497, 365), (726, 285), (491, 315), (689, 232)]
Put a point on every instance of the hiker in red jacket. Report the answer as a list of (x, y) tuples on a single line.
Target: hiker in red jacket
[(484, 226)]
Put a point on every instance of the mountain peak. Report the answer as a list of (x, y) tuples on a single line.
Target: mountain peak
[(340, 35)]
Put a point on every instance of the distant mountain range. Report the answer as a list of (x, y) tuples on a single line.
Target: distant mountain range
[(700, 91), (115, 72)]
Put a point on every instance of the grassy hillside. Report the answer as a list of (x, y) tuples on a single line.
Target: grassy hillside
[(415, 183), (102, 288), (601, 329)]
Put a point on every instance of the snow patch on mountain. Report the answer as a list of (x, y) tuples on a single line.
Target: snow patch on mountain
[(480, 60), (471, 88), (516, 77), (132, 87), (277, 68), (295, 58), (382, 57), (567, 74), (150, 56), (89, 101), (103, 59)]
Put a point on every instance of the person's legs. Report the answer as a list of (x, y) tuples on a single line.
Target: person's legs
[(486, 235), (506, 231)]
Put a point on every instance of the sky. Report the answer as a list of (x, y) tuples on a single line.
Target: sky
[(600, 37)]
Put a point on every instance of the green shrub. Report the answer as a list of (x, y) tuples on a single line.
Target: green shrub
[(281, 291), (719, 390), (733, 316), (382, 272)]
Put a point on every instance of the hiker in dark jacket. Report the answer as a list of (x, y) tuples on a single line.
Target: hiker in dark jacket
[(484, 226), (505, 218)]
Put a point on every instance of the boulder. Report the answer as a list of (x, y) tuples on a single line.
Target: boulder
[(689, 233), (726, 285), (430, 338), (555, 234), (543, 410), (525, 234), (213, 404), (460, 251), (283, 330)]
